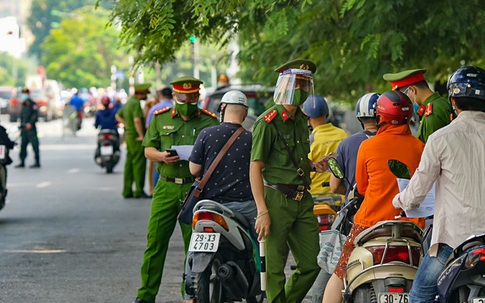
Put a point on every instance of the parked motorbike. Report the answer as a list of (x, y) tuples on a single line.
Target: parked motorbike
[(107, 153), (463, 279), (221, 257)]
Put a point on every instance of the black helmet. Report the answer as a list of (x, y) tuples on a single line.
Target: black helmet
[(467, 81)]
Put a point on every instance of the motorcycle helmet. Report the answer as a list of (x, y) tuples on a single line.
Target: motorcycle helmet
[(366, 106), (316, 109), (467, 81), (105, 100), (234, 97), (394, 107)]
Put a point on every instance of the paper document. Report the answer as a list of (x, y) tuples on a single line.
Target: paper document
[(183, 151), (426, 208)]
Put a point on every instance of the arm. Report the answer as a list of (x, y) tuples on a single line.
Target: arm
[(151, 153), (263, 220), (337, 185), (195, 169), (119, 118), (139, 128)]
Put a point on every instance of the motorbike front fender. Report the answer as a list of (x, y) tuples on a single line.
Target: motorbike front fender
[(200, 261)]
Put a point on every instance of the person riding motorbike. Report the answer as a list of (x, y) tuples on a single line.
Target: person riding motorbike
[(453, 158), (375, 181), (105, 119), (78, 103)]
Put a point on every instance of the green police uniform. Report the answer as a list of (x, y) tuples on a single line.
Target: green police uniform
[(293, 223), (135, 164), (29, 114), (435, 111), (166, 129), (436, 114)]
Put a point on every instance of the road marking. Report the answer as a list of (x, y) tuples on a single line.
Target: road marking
[(73, 171), (35, 251), (44, 184)]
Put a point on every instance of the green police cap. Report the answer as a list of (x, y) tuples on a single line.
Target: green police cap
[(142, 87), (405, 78), (186, 85), (298, 64)]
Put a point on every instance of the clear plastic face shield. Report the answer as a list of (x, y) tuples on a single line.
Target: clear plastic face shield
[(294, 87)]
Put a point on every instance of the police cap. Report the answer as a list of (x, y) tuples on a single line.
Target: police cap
[(405, 78), (298, 64), (142, 88), (186, 85)]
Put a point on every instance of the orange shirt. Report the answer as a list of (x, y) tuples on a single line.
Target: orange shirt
[(374, 178)]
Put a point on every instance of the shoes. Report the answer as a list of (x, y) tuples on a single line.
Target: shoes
[(143, 196), (20, 165), (138, 300), (36, 165), (127, 196)]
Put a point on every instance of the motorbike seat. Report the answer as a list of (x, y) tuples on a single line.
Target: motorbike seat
[(241, 220), (385, 230)]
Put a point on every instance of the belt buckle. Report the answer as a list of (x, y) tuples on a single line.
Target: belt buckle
[(300, 188), (299, 195), (178, 180)]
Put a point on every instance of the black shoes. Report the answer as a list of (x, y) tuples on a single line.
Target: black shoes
[(138, 300), (143, 196), (21, 165), (36, 165)]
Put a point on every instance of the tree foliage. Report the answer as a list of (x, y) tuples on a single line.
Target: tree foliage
[(12, 70), (353, 42), (81, 50)]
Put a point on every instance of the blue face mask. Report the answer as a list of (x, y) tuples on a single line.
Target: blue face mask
[(416, 107), (24, 97)]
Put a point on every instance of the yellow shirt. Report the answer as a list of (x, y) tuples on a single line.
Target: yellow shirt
[(324, 139)]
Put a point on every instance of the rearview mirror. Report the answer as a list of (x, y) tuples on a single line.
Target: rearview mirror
[(335, 168), (399, 169)]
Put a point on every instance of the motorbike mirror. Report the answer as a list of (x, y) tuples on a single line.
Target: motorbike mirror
[(335, 168), (399, 169)]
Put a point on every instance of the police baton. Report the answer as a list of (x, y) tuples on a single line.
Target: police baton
[(262, 255)]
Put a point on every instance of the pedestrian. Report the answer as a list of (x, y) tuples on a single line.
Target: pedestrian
[(346, 154), (5, 146), (131, 115), (170, 127), (280, 177), (375, 181), (28, 130), (453, 159), (324, 140), (164, 99), (434, 110), (229, 184), (222, 82)]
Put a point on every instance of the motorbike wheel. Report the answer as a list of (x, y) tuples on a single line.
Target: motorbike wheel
[(209, 287), (3, 189), (109, 167), (364, 294)]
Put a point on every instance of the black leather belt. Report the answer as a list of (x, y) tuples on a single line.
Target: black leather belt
[(177, 180), (295, 192)]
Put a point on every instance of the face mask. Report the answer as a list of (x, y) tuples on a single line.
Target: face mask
[(299, 97), (24, 97), (186, 109)]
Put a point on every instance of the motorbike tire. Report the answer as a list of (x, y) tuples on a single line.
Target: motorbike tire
[(109, 167), (209, 287), (364, 294), (256, 299), (3, 189)]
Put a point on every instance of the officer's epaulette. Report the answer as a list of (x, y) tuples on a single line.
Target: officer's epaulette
[(205, 111), (270, 115), (161, 111)]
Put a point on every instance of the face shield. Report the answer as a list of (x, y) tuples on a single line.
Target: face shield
[(294, 86)]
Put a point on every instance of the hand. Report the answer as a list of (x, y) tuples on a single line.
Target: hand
[(263, 223), (139, 138), (322, 165), (169, 159), (28, 126)]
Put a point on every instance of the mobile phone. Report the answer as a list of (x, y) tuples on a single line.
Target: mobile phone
[(172, 152)]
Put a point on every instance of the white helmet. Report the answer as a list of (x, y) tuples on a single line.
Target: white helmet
[(235, 97)]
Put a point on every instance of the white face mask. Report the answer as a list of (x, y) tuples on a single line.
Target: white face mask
[(24, 97)]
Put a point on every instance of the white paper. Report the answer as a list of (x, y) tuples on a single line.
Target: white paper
[(183, 151), (426, 208)]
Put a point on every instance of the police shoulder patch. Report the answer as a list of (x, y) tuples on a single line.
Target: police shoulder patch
[(270, 115), (205, 111), (157, 112)]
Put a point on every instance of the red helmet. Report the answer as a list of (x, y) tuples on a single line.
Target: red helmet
[(105, 100), (394, 107)]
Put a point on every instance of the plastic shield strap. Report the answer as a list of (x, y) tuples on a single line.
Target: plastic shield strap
[(294, 87)]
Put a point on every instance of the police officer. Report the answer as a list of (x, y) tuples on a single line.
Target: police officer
[(170, 127), (28, 119), (434, 110), (131, 115), (280, 177)]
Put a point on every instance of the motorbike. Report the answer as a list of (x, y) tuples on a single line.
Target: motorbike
[(221, 260), (463, 279), (107, 153)]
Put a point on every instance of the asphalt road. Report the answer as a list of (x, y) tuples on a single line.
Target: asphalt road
[(66, 233)]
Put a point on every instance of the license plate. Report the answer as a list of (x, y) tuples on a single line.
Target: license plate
[(204, 242), (106, 150), (2, 152), (393, 297), (478, 300)]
